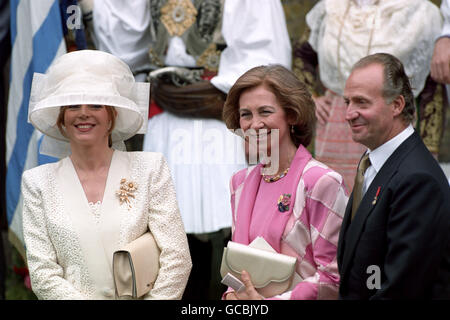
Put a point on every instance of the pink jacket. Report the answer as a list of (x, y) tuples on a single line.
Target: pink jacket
[(309, 230)]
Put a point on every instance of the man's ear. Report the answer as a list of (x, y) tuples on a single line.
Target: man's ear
[(398, 105)]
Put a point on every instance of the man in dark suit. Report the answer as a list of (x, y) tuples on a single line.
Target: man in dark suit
[(395, 236)]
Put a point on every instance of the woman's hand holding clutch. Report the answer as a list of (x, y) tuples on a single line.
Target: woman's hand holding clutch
[(249, 293)]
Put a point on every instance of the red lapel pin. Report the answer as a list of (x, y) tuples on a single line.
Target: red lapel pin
[(376, 196)]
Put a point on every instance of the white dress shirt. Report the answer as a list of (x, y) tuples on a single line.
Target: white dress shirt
[(380, 155)]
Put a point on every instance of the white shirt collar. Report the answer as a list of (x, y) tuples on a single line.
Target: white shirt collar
[(379, 155)]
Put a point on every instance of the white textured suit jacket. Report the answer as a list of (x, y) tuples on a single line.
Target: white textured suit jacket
[(70, 255)]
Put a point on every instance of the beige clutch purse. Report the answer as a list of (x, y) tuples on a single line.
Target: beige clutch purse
[(271, 272), (136, 266)]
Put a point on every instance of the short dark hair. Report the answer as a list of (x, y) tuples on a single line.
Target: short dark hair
[(289, 91), (395, 82)]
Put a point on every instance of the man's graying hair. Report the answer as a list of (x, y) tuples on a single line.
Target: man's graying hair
[(395, 83)]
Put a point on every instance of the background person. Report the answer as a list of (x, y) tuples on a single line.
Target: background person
[(87, 104), (217, 41), (297, 210), (440, 64), (5, 51), (341, 33), (440, 70), (398, 216), (221, 41)]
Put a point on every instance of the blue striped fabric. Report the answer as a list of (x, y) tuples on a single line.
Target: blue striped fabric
[(47, 36)]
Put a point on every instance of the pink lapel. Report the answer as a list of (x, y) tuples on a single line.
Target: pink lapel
[(245, 206), (279, 219)]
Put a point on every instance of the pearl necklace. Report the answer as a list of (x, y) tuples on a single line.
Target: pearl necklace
[(275, 178)]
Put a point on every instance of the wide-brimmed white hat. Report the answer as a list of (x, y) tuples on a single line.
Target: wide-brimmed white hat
[(88, 77)]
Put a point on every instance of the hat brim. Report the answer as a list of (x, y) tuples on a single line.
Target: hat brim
[(131, 118), (89, 77), (128, 122)]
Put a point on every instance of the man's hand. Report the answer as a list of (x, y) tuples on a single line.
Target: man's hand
[(440, 63), (323, 105)]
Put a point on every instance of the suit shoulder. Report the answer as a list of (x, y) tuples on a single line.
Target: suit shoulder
[(39, 177), (239, 176), (144, 161), (419, 164), (316, 173), (144, 156), (40, 171)]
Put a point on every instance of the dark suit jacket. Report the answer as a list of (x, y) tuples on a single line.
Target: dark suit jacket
[(405, 233)]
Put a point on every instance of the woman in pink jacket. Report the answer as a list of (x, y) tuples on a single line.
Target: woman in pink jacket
[(290, 199)]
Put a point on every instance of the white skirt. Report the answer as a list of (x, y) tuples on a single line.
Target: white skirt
[(202, 155)]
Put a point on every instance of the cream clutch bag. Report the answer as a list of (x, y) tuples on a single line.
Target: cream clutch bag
[(136, 266), (271, 272)]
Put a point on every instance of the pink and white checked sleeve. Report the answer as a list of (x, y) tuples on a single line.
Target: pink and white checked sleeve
[(313, 235)]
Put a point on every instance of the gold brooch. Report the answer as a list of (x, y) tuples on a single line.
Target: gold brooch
[(126, 191), (210, 58), (178, 16)]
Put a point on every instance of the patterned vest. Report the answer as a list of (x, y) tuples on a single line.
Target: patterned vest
[(196, 22)]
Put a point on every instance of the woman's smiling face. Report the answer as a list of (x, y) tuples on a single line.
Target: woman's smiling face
[(260, 110), (87, 124)]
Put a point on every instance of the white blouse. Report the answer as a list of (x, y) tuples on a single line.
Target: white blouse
[(342, 32), (95, 210)]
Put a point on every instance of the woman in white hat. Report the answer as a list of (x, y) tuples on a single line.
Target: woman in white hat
[(78, 211)]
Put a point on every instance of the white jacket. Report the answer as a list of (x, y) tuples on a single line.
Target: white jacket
[(70, 254)]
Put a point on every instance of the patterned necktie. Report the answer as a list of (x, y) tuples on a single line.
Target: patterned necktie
[(359, 180)]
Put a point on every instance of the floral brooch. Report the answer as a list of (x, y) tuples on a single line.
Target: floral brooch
[(283, 202), (126, 191)]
